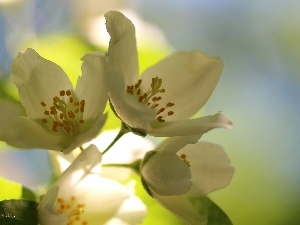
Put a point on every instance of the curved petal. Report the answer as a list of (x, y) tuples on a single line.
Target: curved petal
[(122, 51), (37, 80), (128, 149), (47, 214), (127, 107), (196, 126), (93, 84), (79, 168), (188, 78), (131, 212), (182, 208), (22, 132), (210, 167), (88, 132), (174, 144), (166, 174)]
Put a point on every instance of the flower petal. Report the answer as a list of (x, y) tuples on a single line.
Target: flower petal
[(133, 113), (102, 198), (166, 174), (196, 126), (93, 84), (80, 167), (210, 167), (46, 212), (22, 132), (89, 130), (37, 80), (182, 208), (189, 79), (174, 144), (122, 52), (131, 212)]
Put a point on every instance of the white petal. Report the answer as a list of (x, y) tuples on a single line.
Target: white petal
[(210, 167), (80, 167), (47, 213), (88, 131), (129, 148), (22, 132), (102, 198), (182, 208), (188, 78), (196, 126), (93, 84), (166, 174), (122, 52), (132, 211), (37, 80), (174, 144), (133, 113)]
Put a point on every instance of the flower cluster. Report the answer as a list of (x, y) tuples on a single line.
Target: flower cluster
[(161, 102)]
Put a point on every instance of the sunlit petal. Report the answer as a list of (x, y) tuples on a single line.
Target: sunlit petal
[(37, 80), (122, 52), (93, 84), (189, 79)]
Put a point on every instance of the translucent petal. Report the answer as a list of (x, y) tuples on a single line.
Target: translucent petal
[(79, 168), (122, 51), (210, 167), (188, 78), (182, 208), (166, 174), (37, 80), (47, 213), (196, 126), (92, 86), (22, 132), (133, 113)]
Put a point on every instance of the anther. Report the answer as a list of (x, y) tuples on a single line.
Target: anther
[(62, 93), (43, 104)]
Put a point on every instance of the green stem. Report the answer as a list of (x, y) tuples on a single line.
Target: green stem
[(135, 165), (122, 131)]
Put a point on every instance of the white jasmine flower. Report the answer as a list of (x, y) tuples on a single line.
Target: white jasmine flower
[(161, 101), (59, 117), (82, 197), (125, 151), (178, 170)]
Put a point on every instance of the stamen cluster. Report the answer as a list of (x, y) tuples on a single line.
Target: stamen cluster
[(66, 113), (73, 209), (151, 98)]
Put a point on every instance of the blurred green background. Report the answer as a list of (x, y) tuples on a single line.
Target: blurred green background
[(259, 42)]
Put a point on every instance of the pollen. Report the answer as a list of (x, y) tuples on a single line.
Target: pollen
[(65, 114), (152, 98), (73, 209)]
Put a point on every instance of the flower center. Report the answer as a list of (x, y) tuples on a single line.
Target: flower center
[(152, 97), (73, 209), (185, 160), (65, 114)]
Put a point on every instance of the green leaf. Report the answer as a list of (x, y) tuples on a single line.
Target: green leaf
[(204, 206), (18, 212), (14, 190)]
